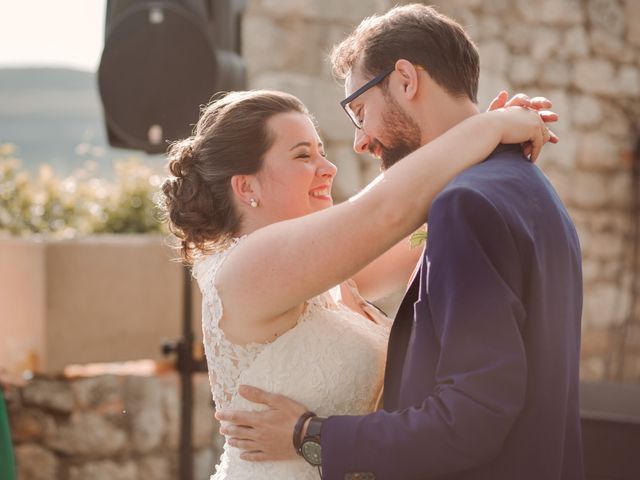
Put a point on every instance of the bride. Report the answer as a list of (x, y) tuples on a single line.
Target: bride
[(281, 273)]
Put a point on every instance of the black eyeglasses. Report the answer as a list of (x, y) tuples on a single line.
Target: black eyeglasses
[(371, 83)]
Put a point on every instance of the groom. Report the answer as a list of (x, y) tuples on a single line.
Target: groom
[(482, 369)]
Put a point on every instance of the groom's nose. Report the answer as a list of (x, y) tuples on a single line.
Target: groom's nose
[(361, 141)]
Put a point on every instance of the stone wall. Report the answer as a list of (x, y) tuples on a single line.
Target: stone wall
[(109, 427), (582, 54)]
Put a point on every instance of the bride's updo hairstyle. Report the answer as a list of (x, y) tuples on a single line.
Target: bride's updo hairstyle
[(230, 138)]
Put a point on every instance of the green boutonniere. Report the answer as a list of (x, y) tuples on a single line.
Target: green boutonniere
[(418, 237)]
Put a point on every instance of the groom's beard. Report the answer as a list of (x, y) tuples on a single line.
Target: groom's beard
[(403, 131)]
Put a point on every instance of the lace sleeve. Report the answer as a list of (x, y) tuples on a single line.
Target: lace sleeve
[(225, 360)]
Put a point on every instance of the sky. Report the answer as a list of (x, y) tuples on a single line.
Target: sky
[(61, 33)]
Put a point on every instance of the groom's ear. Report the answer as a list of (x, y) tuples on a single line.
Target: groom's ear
[(409, 78)]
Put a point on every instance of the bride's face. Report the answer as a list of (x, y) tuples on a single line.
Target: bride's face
[(296, 177)]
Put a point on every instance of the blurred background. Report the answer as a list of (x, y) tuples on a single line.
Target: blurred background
[(88, 288)]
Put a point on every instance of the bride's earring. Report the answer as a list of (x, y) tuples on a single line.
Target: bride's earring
[(253, 202)]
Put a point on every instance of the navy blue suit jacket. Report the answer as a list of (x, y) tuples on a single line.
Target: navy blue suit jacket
[(482, 369)]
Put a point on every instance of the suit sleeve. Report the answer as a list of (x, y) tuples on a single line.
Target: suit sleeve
[(473, 276)]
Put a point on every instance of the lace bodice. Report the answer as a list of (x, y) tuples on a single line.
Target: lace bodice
[(332, 362)]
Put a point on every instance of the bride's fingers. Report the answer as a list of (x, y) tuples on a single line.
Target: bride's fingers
[(519, 100), (499, 101), (540, 103), (548, 116), (553, 138), (536, 142)]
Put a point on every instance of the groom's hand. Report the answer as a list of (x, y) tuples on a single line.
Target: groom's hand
[(266, 435)]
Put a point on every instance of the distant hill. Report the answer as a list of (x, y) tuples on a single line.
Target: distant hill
[(54, 115)]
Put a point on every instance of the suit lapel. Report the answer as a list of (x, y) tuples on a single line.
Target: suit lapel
[(398, 338)]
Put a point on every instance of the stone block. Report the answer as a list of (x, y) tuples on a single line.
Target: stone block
[(595, 341), (609, 221), (594, 76), (561, 155), (49, 394), (171, 410), (204, 462), (607, 15), (321, 95), (489, 27), (35, 463), (632, 14), (494, 7), (154, 468), (587, 111), (590, 269), (518, 37), (575, 44), (523, 70), (589, 190), (599, 152), (628, 81), (560, 180), (105, 470), (205, 426), (29, 424), (494, 57), (593, 369), (604, 246), (86, 434), (606, 305), (610, 46), (103, 393), (621, 186), (555, 74), (143, 403), (615, 121), (552, 12), (268, 46), (544, 43), (326, 10)]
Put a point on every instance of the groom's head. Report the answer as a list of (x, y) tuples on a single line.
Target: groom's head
[(409, 74)]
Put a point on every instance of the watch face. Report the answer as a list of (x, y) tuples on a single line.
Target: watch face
[(311, 452)]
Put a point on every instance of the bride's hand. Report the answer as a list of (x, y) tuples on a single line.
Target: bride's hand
[(539, 104), (522, 125)]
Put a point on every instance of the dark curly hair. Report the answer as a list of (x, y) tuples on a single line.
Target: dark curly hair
[(230, 138)]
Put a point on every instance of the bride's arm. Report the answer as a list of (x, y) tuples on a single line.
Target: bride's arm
[(389, 272), (288, 262)]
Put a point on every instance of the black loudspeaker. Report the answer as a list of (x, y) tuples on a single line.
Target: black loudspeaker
[(162, 60)]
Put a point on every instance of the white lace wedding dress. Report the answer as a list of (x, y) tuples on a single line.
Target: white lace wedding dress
[(332, 362)]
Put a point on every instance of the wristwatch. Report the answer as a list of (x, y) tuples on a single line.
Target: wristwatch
[(310, 449)]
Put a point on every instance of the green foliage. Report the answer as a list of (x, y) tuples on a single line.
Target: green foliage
[(80, 204)]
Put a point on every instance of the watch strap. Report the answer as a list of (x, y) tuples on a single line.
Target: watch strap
[(297, 430)]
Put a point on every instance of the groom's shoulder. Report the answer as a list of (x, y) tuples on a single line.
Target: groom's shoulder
[(500, 176), (503, 167)]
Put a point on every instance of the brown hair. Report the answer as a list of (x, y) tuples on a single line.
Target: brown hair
[(230, 138), (419, 34)]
